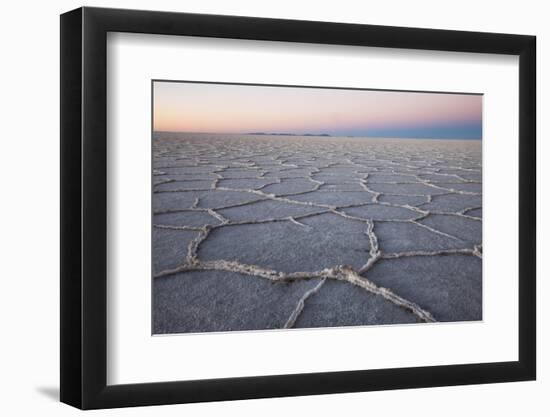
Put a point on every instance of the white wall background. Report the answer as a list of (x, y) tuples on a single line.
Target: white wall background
[(29, 210)]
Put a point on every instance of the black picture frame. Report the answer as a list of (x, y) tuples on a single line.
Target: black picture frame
[(84, 207)]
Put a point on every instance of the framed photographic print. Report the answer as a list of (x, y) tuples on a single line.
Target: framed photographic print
[(258, 207)]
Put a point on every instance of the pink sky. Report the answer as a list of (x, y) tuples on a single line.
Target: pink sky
[(229, 108)]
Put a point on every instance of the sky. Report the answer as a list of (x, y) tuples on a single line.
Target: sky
[(232, 108)]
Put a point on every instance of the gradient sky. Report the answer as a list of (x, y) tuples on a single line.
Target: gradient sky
[(229, 108)]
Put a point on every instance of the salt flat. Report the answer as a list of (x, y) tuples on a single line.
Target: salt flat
[(270, 232)]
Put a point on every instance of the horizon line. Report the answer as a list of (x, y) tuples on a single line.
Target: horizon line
[(316, 134)]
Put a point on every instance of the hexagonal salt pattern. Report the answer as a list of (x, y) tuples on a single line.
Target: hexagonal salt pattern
[(269, 232)]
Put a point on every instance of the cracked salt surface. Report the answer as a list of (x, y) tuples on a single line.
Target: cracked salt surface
[(266, 232)]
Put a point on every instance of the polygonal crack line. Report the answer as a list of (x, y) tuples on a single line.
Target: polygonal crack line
[(163, 181), (225, 222), (338, 273), (463, 213), (301, 304)]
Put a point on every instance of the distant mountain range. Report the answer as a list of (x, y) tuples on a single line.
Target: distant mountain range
[(287, 134)]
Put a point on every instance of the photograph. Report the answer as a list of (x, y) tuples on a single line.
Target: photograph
[(280, 207)]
